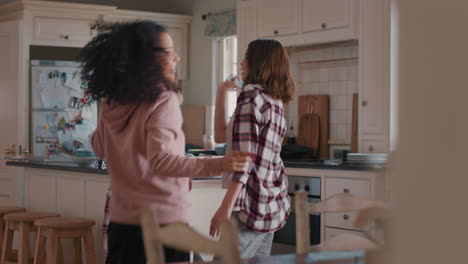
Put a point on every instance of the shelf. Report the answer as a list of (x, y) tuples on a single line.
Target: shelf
[(66, 109)]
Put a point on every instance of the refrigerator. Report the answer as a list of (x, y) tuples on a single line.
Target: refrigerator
[(62, 116)]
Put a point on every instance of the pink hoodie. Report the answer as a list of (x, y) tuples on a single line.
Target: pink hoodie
[(143, 146)]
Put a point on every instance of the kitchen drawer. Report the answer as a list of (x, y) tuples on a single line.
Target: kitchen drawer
[(343, 220), (359, 188), (62, 31), (332, 232), (8, 190)]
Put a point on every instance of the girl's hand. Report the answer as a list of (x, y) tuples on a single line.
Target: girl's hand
[(236, 161), (220, 215), (227, 85)]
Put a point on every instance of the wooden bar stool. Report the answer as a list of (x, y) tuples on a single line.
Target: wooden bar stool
[(24, 223), (3, 211), (57, 228)]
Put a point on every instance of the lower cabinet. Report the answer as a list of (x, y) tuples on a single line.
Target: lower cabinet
[(206, 197), (75, 194), (366, 184), (69, 194), (333, 232)]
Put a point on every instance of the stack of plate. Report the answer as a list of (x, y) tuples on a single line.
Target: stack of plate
[(367, 158)]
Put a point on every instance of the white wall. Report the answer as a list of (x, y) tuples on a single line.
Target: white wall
[(197, 90), (431, 162)]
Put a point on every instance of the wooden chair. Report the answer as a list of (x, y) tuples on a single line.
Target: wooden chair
[(183, 237), (343, 202)]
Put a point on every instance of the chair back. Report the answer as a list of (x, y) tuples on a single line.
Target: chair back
[(183, 237), (342, 202)]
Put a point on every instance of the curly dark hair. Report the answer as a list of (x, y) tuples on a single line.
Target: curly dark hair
[(121, 63)]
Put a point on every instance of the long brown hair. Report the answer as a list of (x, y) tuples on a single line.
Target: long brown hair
[(268, 65)]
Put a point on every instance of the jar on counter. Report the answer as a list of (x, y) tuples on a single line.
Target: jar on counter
[(208, 142)]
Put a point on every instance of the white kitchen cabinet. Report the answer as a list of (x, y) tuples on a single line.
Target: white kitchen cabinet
[(374, 77), (356, 187), (277, 17), (325, 14), (9, 109), (69, 194), (206, 197), (177, 26), (73, 194), (297, 22), (62, 32), (367, 184)]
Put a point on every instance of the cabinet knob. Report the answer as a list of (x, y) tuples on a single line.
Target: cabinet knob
[(64, 36), (276, 32), (324, 25), (371, 148), (345, 217), (345, 190), (364, 103)]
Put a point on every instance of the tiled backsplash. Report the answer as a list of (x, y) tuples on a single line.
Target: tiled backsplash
[(331, 70)]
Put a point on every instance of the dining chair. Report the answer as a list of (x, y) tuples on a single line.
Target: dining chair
[(342, 202), (183, 237)]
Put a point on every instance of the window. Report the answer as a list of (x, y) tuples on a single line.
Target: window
[(227, 65)]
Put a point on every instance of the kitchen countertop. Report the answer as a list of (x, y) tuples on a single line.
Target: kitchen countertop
[(72, 167), (317, 165)]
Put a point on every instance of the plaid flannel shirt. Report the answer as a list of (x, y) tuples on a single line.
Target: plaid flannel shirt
[(259, 127)]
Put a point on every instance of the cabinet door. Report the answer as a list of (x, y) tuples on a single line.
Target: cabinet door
[(325, 14), (62, 31), (277, 17), (9, 116), (374, 76)]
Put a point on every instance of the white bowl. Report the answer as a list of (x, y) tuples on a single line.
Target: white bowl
[(84, 161)]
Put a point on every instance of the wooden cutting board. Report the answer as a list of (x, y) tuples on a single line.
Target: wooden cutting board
[(309, 129), (354, 124), (313, 113)]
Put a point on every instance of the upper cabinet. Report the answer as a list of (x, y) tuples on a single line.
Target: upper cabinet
[(61, 24), (298, 22), (277, 17), (309, 22), (374, 77), (320, 15), (46, 23)]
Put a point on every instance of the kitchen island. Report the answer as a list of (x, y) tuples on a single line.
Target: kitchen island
[(74, 190)]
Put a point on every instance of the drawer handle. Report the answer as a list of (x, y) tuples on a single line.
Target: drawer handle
[(324, 25), (371, 148), (345, 217), (276, 32), (345, 190)]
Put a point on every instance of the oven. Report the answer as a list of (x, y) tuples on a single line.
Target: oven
[(285, 239)]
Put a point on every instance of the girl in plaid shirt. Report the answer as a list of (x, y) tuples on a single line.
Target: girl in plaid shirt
[(257, 199)]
